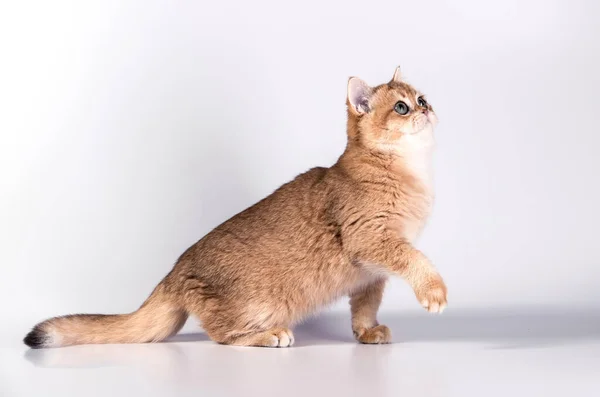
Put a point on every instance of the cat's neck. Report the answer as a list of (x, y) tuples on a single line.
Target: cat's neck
[(419, 164), (413, 160)]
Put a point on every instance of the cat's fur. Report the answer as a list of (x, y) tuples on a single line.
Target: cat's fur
[(329, 233)]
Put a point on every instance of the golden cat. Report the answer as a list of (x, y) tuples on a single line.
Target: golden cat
[(329, 233)]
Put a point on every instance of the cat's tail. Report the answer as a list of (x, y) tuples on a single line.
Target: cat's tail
[(158, 318)]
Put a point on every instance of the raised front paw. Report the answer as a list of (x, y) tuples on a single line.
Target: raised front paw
[(433, 295)]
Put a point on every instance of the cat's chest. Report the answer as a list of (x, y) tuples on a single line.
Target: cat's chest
[(413, 226), (411, 214), (413, 200)]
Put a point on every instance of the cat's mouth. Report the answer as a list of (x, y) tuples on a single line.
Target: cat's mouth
[(423, 124), (430, 121)]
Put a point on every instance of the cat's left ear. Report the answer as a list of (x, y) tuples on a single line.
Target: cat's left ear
[(397, 75), (359, 95)]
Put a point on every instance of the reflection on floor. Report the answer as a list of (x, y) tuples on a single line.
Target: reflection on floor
[(459, 353)]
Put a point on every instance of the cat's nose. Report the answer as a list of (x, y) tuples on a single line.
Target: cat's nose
[(425, 112)]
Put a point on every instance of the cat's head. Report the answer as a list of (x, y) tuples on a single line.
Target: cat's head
[(389, 117)]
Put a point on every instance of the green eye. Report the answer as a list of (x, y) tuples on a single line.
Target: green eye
[(422, 102), (401, 108)]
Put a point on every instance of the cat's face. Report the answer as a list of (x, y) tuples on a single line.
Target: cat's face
[(391, 116)]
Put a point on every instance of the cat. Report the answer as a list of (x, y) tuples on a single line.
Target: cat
[(329, 233)]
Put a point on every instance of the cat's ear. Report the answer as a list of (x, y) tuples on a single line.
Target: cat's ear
[(359, 95), (397, 75)]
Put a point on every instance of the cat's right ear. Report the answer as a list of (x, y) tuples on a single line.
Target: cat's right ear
[(359, 95)]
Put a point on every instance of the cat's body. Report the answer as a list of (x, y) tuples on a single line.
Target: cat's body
[(331, 232)]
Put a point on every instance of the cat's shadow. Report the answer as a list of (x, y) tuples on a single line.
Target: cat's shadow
[(496, 329), (525, 327)]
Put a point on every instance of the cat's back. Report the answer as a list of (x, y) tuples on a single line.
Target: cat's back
[(294, 212), (303, 195)]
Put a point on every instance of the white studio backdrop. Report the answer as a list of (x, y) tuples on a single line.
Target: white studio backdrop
[(132, 128)]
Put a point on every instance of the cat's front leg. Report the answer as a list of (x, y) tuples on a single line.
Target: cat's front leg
[(364, 304), (400, 257), (421, 275), (426, 282)]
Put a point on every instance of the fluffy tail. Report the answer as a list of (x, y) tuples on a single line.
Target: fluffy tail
[(157, 319)]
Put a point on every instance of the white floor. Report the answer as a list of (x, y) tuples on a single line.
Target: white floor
[(525, 353)]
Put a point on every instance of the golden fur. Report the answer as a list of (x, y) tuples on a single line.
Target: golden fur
[(329, 233)]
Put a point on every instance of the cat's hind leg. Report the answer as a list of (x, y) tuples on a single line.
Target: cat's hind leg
[(276, 337), (243, 323)]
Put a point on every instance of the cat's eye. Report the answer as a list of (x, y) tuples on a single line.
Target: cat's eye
[(401, 108), (422, 102)]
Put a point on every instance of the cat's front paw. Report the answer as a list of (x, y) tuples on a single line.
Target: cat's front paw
[(374, 336), (433, 295)]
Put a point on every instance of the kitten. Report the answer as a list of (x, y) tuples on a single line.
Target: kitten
[(329, 233)]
